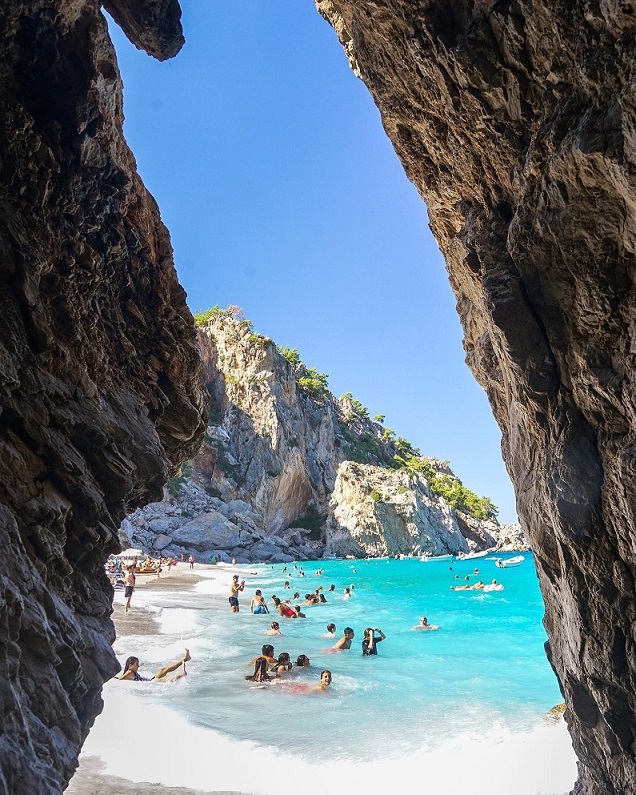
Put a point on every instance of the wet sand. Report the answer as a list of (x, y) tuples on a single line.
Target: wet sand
[(90, 778)]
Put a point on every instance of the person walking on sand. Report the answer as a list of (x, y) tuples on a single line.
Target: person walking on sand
[(131, 671), (129, 586), (191, 561), (235, 587)]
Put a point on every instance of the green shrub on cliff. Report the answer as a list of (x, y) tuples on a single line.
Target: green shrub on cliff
[(174, 484), (314, 382), (291, 354), (449, 488)]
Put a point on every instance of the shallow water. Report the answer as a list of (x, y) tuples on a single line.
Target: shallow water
[(470, 696)]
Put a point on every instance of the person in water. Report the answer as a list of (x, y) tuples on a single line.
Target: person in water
[(129, 586), (283, 609), (370, 642), (325, 681), (302, 661), (298, 612), (282, 665), (345, 640), (424, 624), (274, 629), (131, 671), (260, 671), (331, 631), (267, 651), (257, 605), (235, 587)]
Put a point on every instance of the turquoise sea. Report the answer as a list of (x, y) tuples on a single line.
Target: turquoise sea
[(466, 703)]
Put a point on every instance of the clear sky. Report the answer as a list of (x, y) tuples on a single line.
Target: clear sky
[(283, 195)]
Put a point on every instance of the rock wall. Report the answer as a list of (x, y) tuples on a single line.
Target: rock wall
[(288, 471), (515, 120), (101, 387)]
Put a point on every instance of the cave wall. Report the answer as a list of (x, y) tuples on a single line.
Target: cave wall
[(100, 380), (516, 120)]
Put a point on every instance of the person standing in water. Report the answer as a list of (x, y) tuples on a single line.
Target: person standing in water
[(370, 642), (345, 641), (235, 587), (257, 605), (129, 586)]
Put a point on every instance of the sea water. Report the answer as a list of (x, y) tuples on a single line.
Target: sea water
[(460, 709)]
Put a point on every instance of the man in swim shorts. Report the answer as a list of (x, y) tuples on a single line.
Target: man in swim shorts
[(257, 605), (235, 587), (129, 586)]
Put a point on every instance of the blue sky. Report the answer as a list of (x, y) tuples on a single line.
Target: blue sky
[(283, 195)]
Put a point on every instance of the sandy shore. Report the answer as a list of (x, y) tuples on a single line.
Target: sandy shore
[(90, 778)]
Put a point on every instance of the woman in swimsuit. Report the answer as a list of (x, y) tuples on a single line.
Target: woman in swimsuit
[(131, 671), (282, 665), (260, 671)]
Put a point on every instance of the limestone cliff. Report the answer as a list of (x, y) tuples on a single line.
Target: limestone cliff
[(101, 390), (515, 120), (289, 471)]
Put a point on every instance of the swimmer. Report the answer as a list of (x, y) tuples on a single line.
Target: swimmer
[(286, 584), (274, 629), (347, 593), (332, 587), (282, 664), (298, 613), (283, 610), (257, 605), (131, 671), (321, 599), (325, 681), (331, 631), (345, 640), (260, 671), (424, 624), (267, 651), (302, 661)]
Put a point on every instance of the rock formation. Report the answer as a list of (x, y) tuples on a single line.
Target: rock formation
[(515, 120), (287, 471), (101, 382)]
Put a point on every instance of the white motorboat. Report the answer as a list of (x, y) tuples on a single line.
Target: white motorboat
[(473, 555), (431, 558), (510, 562)]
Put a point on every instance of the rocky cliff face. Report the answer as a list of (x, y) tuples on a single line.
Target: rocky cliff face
[(516, 120), (287, 471), (100, 375)]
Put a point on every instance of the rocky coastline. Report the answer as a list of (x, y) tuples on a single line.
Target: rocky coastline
[(287, 471)]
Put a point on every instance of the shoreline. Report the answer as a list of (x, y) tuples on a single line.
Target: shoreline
[(144, 746), (90, 777)]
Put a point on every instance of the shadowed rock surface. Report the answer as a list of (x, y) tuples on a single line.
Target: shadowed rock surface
[(100, 379), (516, 121)]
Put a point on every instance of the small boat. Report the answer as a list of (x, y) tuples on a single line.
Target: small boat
[(431, 558), (506, 564), (473, 555)]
